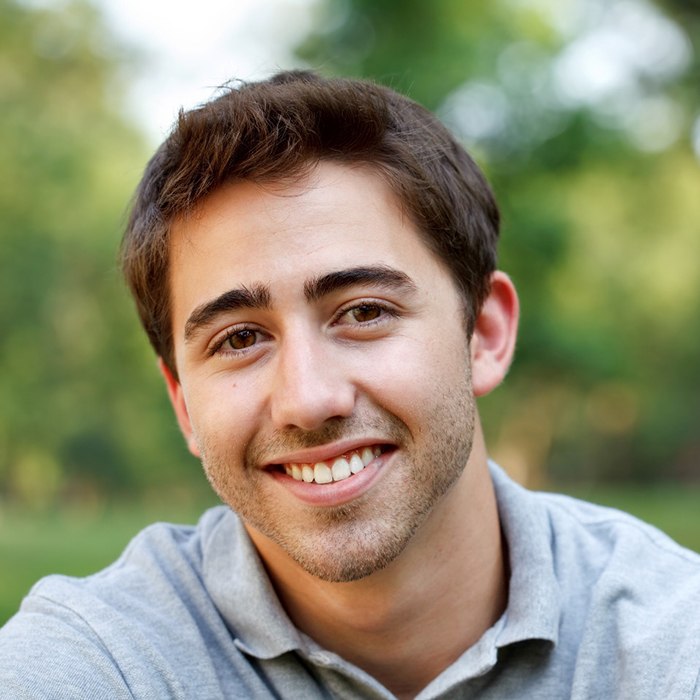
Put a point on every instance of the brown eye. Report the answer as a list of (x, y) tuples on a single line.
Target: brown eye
[(366, 312), (239, 340)]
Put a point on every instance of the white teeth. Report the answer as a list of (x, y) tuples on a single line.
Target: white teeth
[(342, 467), (367, 455), (356, 464), (322, 473)]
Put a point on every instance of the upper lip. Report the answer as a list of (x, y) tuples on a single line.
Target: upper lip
[(324, 453)]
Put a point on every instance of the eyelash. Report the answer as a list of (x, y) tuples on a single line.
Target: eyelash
[(386, 311), (229, 333)]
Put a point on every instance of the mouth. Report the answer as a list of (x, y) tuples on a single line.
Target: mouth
[(336, 469)]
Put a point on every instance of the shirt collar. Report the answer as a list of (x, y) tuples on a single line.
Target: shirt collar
[(534, 597), (534, 608), (243, 593)]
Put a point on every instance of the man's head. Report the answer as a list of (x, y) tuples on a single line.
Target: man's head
[(274, 131), (305, 253)]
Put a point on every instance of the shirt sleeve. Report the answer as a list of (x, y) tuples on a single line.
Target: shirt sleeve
[(47, 651)]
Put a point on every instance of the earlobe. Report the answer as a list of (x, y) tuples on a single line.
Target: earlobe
[(495, 332), (177, 400)]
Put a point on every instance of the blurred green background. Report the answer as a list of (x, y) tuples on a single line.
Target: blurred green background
[(586, 117)]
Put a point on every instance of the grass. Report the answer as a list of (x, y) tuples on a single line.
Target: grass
[(78, 541)]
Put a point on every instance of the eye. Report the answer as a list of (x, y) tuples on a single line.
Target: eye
[(236, 341), (239, 340), (365, 313)]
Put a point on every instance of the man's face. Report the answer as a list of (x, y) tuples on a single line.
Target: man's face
[(323, 365)]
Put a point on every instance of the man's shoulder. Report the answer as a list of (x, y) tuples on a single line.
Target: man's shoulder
[(629, 593), (161, 557), (129, 621), (619, 558), (581, 535), (610, 536), (622, 599)]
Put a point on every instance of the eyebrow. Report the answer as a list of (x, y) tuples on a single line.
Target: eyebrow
[(259, 296), (378, 275)]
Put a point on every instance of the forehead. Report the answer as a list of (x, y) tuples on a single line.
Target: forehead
[(282, 234)]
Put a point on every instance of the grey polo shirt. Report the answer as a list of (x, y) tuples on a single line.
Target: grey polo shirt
[(600, 606)]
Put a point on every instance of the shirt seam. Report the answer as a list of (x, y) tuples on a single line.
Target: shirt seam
[(74, 613)]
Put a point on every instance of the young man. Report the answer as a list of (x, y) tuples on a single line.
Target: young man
[(314, 263)]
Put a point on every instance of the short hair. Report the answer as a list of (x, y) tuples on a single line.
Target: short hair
[(277, 129)]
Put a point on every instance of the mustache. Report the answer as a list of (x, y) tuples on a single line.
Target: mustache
[(388, 427)]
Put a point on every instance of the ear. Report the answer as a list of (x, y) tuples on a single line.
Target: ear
[(495, 331), (177, 400)]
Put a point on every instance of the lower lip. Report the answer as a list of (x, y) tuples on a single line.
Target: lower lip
[(337, 492)]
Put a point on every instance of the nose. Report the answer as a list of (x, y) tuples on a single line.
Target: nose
[(310, 385)]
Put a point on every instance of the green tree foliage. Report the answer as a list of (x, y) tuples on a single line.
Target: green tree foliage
[(582, 114), (81, 413), (598, 190)]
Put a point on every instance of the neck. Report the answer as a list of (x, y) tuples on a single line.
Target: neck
[(408, 622)]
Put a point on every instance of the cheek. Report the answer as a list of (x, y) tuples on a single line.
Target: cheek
[(223, 410), (414, 378)]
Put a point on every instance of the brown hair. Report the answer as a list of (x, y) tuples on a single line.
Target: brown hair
[(276, 129)]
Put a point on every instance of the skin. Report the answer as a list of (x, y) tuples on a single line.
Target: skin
[(310, 320)]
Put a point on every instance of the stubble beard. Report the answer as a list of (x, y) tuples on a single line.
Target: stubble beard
[(353, 540)]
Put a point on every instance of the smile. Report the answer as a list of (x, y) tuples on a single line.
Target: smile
[(338, 469)]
